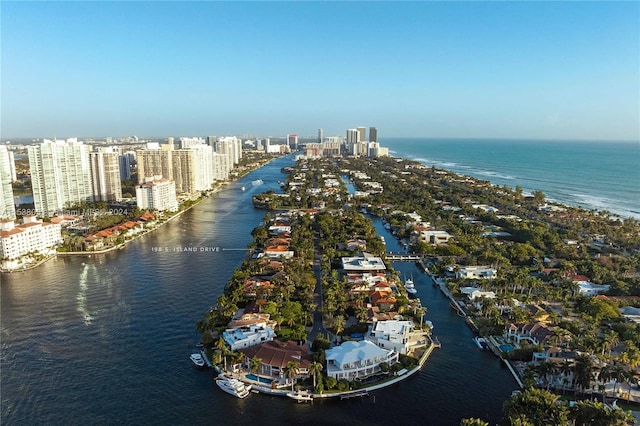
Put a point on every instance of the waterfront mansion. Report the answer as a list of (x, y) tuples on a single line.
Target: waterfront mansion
[(357, 359), (243, 337)]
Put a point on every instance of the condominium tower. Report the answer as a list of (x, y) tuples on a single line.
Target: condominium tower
[(60, 175), (7, 207), (105, 175)]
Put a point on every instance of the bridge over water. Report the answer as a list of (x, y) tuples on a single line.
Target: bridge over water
[(403, 257)]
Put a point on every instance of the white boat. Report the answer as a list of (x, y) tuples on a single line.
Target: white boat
[(408, 284), (243, 188), (197, 360), (300, 396), (234, 387), (480, 342), (257, 182)]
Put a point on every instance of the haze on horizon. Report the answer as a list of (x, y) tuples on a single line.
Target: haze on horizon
[(523, 70)]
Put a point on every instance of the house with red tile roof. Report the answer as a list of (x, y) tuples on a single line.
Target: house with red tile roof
[(275, 355), (31, 236)]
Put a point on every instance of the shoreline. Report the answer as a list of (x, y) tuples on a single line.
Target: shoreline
[(107, 250), (123, 245), (344, 394), (445, 291)]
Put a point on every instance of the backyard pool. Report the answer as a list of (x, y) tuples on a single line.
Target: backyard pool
[(506, 348), (259, 379)]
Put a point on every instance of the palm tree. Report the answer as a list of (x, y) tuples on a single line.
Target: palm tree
[(314, 369), (338, 324), (255, 364), (544, 370), (583, 370), (610, 339), (291, 370), (220, 345)]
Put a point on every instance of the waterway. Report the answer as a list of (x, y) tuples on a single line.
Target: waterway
[(106, 339)]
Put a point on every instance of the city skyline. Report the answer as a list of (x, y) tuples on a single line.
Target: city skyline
[(442, 70)]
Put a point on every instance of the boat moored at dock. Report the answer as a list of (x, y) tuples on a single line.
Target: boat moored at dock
[(233, 387), (197, 360)]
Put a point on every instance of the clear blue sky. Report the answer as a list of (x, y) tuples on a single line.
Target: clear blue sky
[(549, 70)]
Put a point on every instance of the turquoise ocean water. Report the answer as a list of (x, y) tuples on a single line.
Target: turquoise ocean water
[(594, 175)]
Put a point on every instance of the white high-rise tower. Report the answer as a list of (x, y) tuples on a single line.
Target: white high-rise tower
[(60, 175), (7, 207)]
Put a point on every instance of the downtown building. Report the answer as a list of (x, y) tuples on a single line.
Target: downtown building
[(7, 206), (60, 175)]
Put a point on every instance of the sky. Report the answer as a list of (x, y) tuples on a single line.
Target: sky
[(529, 70)]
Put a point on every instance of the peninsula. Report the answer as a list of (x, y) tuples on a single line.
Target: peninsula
[(550, 289)]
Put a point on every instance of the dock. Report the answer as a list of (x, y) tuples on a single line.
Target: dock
[(354, 395), (206, 360)]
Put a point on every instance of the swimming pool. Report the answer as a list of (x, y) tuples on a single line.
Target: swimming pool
[(506, 348), (259, 379)]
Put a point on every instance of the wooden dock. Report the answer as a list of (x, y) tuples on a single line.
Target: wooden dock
[(354, 395)]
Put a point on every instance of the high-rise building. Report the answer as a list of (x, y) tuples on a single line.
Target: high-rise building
[(185, 143), (373, 134), (193, 168), (320, 136), (221, 166), (125, 166), (60, 175), (12, 166), (156, 160), (7, 207), (353, 136), (231, 146), (292, 141), (105, 175), (362, 131), (157, 193)]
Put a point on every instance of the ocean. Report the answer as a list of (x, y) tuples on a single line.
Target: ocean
[(594, 175)]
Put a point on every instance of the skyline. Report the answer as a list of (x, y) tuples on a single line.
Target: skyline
[(415, 69)]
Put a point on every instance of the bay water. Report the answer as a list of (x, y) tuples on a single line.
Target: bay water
[(106, 339)]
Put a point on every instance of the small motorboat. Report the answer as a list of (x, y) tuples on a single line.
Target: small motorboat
[(197, 360)]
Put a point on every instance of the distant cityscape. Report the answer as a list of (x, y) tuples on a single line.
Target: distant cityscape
[(67, 178)]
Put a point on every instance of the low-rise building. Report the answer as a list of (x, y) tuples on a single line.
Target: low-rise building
[(275, 355), (477, 293), (32, 236), (365, 262), (434, 237), (399, 336), (351, 359), (484, 272), (535, 333), (243, 337)]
